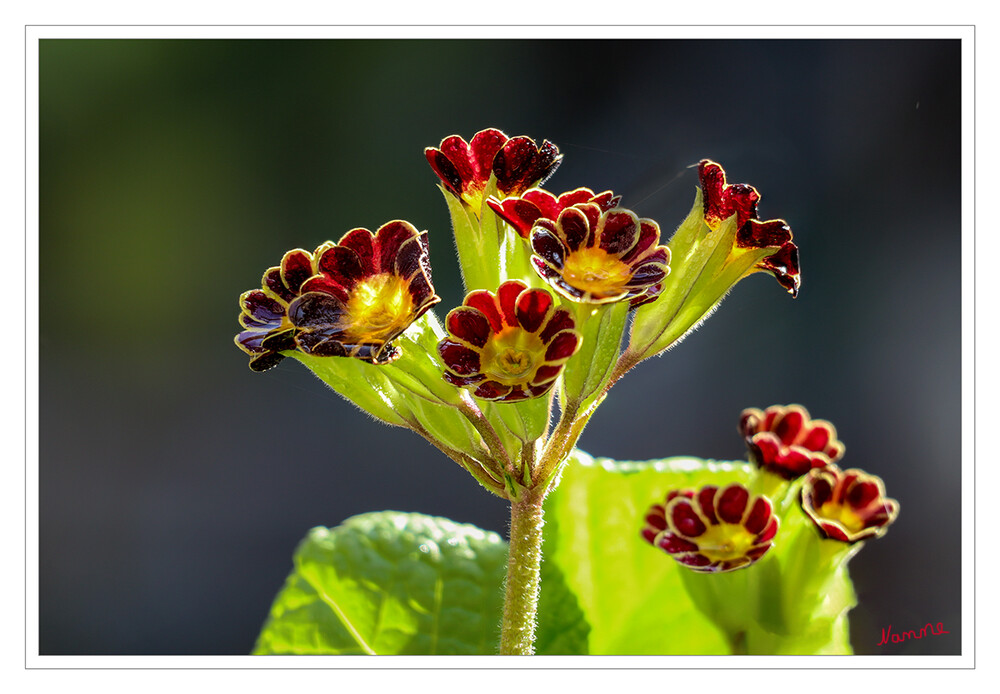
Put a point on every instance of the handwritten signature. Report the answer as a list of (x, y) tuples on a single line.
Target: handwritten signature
[(927, 630)]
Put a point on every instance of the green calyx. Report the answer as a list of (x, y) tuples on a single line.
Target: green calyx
[(705, 265)]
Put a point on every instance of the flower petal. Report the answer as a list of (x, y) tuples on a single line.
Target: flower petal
[(341, 266), (532, 308), (507, 299), (485, 303), (469, 325), (261, 307), (459, 358), (362, 242), (563, 346), (296, 268)]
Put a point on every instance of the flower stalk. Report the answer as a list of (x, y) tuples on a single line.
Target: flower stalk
[(517, 630)]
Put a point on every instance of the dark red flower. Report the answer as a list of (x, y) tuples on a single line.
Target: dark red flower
[(365, 291), (712, 530), (510, 345), (721, 201), (521, 212), (787, 442), (264, 311), (465, 167), (847, 505), (599, 256)]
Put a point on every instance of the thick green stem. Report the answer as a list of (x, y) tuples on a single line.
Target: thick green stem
[(517, 631)]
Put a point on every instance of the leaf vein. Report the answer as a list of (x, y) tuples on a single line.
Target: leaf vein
[(335, 608)]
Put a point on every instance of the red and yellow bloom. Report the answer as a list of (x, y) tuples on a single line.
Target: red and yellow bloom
[(598, 256), (847, 505), (786, 441), (521, 212), (465, 167), (365, 291), (712, 530), (510, 345), (721, 201)]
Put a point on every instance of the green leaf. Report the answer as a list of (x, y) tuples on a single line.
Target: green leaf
[(390, 583), (562, 627), (403, 583)]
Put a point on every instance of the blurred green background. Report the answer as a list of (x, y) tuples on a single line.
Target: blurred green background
[(175, 483)]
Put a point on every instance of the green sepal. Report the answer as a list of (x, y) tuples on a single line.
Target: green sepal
[(528, 420), (602, 327), (517, 256), (449, 426), (491, 225), (394, 583), (478, 252), (361, 383), (702, 272), (804, 581), (418, 368)]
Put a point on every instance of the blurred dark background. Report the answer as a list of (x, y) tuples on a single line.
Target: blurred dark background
[(175, 483)]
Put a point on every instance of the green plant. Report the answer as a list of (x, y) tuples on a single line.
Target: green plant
[(566, 294)]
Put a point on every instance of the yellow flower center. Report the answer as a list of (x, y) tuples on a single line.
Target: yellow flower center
[(596, 271), (512, 356), (725, 542), (379, 308), (843, 514)]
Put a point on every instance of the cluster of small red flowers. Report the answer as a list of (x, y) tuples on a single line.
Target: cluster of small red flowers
[(708, 531), (353, 298)]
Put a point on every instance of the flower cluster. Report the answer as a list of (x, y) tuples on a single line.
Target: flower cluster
[(564, 294), (711, 531)]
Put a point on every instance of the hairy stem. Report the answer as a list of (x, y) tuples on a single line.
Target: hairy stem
[(517, 631), (478, 420)]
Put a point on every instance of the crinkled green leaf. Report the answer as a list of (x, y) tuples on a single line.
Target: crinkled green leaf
[(390, 583), (634, 596), (403, 583)]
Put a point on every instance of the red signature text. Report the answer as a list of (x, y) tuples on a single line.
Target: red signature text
[(927, 630)]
